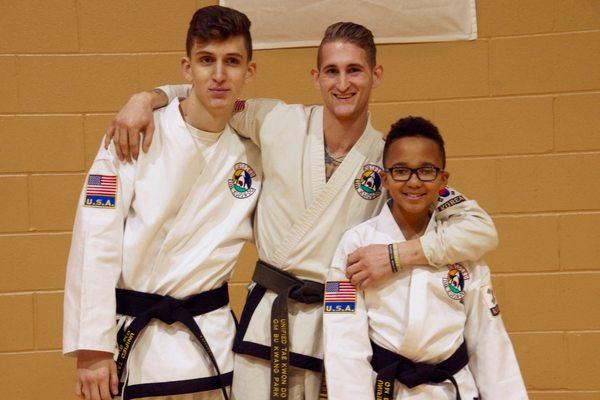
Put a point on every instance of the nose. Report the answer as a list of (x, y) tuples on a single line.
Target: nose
[(414, 180), (219, 73), (343, 82)]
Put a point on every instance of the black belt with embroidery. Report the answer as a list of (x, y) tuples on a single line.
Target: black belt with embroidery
[(390, 366), (286, 286), (146, 306)]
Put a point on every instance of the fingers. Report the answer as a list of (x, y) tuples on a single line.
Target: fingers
[(353, 269), (352, 258), (104, 389), (114, 379), (116, 139), (124, 144), (78, 391), (110, 131), (85, 387), (134, 142), (358, 278), (148, 136)]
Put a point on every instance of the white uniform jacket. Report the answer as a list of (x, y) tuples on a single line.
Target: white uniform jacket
[(301, 217), (423, 314), (174, 225)]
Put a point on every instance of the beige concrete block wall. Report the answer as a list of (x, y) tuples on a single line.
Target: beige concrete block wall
[(519, 108)]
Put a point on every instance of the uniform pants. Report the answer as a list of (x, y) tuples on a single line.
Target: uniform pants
[(208, 395), (252, 380)]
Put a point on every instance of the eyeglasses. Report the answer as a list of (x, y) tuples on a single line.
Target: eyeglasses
[(403, 174)]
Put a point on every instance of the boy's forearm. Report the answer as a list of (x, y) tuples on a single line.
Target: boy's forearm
[(411, 253)]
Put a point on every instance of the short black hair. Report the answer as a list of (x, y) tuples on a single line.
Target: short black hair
[(415, 127), (218, 23)]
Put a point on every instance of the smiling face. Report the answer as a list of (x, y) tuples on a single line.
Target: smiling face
[(345, 79), (414, 197), (218, 71)]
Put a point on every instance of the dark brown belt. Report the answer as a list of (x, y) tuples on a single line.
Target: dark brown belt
[(286, 286)]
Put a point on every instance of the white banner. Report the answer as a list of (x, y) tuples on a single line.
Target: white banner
[(301, 23)]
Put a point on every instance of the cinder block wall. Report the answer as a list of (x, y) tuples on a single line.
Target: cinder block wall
[(519, 107)]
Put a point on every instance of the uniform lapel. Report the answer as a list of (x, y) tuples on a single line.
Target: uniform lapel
[(323, 193)]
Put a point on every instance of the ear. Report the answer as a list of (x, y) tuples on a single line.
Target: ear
[(315, 75), (186, 69), (377, 75), (385, 180), (250, 71)]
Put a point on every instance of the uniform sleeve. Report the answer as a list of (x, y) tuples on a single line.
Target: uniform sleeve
[(464, 231), (492, 359), (173, 91), (249, 116), (346, 339), (94, 264)]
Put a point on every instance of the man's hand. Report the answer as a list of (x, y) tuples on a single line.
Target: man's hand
[(96, 375), (134, 119), (368, 265), (371, 263)]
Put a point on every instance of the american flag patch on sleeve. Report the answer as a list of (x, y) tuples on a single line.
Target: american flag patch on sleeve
[(100, 191), (340, 297)]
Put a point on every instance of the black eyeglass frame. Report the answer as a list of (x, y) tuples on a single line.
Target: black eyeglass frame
[(414, 171)]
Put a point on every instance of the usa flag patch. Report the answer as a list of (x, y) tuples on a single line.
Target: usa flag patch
[(101, 191), (340, 297)]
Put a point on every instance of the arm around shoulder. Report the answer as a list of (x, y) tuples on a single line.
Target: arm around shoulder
[(464, 231)]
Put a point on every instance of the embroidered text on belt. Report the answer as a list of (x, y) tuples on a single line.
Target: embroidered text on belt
[(390, 366), (146, 306), (286, 286)]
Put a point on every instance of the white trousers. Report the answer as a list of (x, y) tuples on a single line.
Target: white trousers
[(252, 380)]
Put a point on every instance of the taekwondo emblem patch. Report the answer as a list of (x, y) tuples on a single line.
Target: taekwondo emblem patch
[(340, 297), (240, 183), (100, 191), (489, 298), (455, 281), (368, 184), (448, 197)]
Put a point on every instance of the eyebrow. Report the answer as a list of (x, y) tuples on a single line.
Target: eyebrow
[(205, 52)]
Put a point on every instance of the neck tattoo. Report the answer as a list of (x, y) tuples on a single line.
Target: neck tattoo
[(331, 163)]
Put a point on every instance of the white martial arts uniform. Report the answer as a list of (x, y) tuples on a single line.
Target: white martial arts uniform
[(175, 227), (301, 217), (424, 314)]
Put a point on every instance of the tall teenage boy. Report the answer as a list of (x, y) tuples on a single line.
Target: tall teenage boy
[(165, 232)]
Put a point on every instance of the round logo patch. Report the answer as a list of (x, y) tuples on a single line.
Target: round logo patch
[(444, 192), (240, 183), (455, 281), (368, 184)]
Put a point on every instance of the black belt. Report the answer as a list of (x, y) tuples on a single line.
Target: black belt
[(146, 306), (390, 366), (286, 286)]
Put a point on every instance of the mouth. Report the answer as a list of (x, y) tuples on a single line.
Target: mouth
[(344, 96), (413, 196), (220, 91)]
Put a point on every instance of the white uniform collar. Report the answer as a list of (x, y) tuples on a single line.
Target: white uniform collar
[(387, 224)]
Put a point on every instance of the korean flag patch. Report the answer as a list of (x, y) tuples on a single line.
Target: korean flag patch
[(100, 191), (340, 297), (489, 298)]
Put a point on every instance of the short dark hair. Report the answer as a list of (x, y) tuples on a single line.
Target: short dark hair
[(414, 127), (218, 23), (351, 33)]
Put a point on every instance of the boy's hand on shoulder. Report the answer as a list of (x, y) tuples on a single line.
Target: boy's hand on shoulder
[(133, 120), (369, 264), (96, 375)]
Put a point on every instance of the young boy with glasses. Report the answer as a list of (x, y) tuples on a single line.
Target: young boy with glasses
[(437, 331)]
